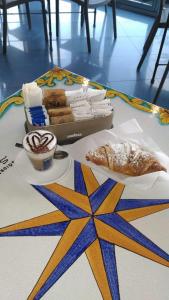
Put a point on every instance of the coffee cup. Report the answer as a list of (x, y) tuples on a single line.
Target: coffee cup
[(40, 146)]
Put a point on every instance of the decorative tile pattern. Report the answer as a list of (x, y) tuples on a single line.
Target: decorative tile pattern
[(51, 78)]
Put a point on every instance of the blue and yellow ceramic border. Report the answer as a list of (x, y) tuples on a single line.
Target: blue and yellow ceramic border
[(15, 99), (51, 78)]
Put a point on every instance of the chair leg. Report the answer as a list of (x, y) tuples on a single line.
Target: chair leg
[(28, 14), (147, 46), (82, 16), (50, 24), (161, 83), (57, 18), (94, 23), (114, 18), (151, 35), (87, 28), (160, 50), (44, 20), (105, 9), (154, 27), (4, 30)]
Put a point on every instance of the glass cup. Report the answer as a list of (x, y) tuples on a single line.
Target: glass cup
[(40, 146)]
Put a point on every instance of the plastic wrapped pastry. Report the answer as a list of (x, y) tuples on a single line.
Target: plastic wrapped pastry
[(52, 93), (61, 119), (61, 111), (126, 158), (54, 98)]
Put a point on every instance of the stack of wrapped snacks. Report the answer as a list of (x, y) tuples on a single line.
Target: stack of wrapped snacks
[(55, 102), (76, 105)]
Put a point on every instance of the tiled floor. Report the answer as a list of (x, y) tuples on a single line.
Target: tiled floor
[(111, 62)]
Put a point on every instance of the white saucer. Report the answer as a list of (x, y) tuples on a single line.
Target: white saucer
[(59, 168)]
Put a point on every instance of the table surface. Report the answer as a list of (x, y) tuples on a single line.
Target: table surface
[(84, 236)]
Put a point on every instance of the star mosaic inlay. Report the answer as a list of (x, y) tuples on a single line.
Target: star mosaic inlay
[(91, 220)]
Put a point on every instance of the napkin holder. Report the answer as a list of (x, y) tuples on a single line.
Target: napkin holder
[(67, 133)]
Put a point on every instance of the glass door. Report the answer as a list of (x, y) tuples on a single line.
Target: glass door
[(148, 7)]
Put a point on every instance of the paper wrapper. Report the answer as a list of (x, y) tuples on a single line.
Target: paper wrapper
[(81, 95), (128, 131), (32, 94)]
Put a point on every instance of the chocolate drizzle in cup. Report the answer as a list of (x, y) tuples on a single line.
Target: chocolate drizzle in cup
[(38, 143)]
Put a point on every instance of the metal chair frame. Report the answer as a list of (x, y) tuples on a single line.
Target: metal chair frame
[(5, 6), (157, 24), (84, 17), (159, 64)]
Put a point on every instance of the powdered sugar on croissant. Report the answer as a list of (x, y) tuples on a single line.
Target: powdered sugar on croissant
[(126, 158)]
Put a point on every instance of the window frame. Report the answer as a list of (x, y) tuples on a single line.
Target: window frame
[(142, 8)]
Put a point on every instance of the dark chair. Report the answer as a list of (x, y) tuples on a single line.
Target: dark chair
[(156, 25), (6, 4), (85, 5), (159, 64)]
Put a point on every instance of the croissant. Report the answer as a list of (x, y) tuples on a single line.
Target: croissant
[(126, 158)]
